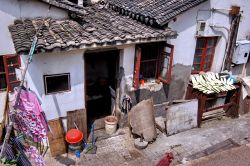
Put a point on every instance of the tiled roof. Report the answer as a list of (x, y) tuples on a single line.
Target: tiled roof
[(158, 11), (65, 4), (99, 27)]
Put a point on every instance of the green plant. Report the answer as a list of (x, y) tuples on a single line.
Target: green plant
[(8, 162)]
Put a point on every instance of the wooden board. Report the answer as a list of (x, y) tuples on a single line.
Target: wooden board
[(56, 127), (246, 105), (79, 118), (3, 103), (56, 138)]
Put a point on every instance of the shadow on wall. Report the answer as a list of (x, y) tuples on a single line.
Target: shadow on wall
[(57, 106), (159, 96)]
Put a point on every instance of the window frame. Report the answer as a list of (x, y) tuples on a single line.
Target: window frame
[(160, 57), (168, 79), (6, 58), (53, 75), (204, 54), (4, 74)]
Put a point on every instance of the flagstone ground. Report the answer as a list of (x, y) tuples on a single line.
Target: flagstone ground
[(119, 150)]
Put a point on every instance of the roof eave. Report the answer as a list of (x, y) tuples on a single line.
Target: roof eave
[(104, 45)]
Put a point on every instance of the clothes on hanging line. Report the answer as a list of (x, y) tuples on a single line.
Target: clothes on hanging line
[(29, 118), (22, 158), (8, 153), (16, 151), (126, 104), (34, 155)]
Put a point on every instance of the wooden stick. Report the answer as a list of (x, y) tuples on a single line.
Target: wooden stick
[(244, 71), (6, 139), (129, 126), (32, 49), (5, 108)]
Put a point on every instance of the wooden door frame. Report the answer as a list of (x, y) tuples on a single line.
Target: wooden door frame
[(85, 87)]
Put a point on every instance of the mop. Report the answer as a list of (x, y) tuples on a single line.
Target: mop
[(91, 148)]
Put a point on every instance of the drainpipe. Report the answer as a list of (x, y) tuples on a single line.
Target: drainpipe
[(234, 11), (227, 48)]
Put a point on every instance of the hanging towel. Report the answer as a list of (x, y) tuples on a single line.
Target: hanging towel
[(29, 118), (29, 102)]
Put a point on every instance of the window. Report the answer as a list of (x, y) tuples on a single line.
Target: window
[(57, 83), (153, 61), (204, 54), (8, 64), (3, 83), (74, 1)]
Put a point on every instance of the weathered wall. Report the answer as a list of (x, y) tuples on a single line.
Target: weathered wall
[(179, 81), (244, 31), (181, 117), (127, 57), (16, 9), (153, 90), (185, 25), (158, 95), (56, 105), (185, 43)]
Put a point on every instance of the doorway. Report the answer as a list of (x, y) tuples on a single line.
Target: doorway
[(100, 79)]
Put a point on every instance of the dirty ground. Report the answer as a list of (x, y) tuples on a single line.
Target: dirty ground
[(119, 150)]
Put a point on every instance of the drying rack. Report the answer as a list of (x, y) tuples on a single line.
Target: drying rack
[(232, 100)]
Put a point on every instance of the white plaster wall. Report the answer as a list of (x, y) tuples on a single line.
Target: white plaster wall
[(57, 105), (185, 43), (6, 44), (127, 59), (222, 18), (186, 24), (16, 9), (244, 30)]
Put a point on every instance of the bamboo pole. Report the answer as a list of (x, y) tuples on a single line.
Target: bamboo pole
[(32, 49), (6, 138)]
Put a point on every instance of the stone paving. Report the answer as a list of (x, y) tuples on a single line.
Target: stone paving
[(233, 157), (119, 150)]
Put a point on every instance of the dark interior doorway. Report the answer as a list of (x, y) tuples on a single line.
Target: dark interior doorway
[(101, 70)]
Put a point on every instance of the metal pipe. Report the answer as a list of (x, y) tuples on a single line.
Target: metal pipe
[(218, 26), (220, 9), (226, 49)]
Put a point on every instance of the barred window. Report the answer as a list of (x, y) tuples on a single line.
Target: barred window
[(153, 61)]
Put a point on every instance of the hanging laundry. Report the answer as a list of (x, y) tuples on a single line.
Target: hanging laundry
[(29, 117), (16, 151), (34, 154), (22, 158), (29, 102), (9, 152)]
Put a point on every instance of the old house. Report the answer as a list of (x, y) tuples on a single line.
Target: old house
[(78, 53), (81, 51), (208, 22)]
